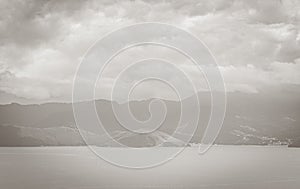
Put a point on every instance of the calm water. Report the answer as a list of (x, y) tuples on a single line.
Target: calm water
[(221, 167)]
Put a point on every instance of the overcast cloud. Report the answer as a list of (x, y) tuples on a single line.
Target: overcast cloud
[(256, 43)]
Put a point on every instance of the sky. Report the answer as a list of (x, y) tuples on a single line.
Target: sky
[(256, 43)]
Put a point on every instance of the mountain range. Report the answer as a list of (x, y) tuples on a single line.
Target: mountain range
[(251, 119)]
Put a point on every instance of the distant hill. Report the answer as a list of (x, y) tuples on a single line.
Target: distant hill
[(66, 136), (260, 119)]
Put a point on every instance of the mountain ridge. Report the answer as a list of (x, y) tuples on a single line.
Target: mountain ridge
[(250, 119)]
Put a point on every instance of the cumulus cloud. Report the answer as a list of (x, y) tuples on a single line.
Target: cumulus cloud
[(256, 43), (253, 79)]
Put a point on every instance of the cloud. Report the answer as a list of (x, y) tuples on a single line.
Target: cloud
[(256, 43), (252, 79)]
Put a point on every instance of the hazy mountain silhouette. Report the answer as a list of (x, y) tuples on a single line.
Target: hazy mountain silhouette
[(260, 119)]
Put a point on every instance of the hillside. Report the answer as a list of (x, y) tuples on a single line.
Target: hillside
[(250, 119)]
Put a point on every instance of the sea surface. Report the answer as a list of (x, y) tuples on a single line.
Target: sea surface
[(221, 167)]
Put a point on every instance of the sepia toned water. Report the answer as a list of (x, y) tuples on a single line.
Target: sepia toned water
[(221, 167)]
